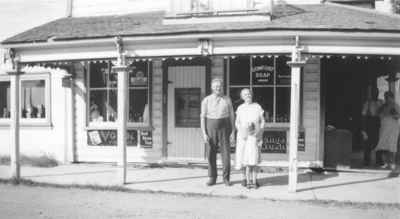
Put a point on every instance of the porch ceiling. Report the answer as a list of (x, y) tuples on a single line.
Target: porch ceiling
[(322, 17)]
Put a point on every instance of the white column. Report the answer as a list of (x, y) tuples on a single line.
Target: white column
[(122, 119), (14, 125), (294, 123)]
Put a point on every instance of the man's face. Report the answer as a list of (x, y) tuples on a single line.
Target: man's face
[(216, 87)]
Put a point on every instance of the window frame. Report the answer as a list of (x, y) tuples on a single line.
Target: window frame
[(212, 10), (149, 66), (251, 86), (103, 124), (112, 125), (6, 78), (47, 92)]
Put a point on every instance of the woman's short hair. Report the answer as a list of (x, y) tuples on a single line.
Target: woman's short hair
[(245, 89), (217, 80)]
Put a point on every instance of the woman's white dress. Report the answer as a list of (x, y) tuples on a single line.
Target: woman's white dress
[(248, 146), (389, 131)]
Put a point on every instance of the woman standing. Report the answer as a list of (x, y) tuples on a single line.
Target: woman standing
[(249, 123), (389, 132)]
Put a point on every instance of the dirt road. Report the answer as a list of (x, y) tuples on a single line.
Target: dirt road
[(43, 202)]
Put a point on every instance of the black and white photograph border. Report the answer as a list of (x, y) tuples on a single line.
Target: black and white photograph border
[(199, 109)]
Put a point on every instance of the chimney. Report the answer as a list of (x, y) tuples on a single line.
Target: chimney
[(385, 6), (68, 12)]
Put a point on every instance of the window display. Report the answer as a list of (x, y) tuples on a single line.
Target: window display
[(103, 87), (139, 93), (33, 99), (4, 99), (269, 79), (102, 93)]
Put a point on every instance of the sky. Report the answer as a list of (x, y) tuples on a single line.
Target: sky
[(20, 15)]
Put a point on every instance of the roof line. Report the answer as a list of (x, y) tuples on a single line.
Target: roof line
[(209, 31), (367, 10), (259, 32)]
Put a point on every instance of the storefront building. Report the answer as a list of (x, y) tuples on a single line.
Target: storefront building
[(69, 88)]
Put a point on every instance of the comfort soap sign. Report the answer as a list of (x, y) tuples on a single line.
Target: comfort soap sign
[(263, 74)]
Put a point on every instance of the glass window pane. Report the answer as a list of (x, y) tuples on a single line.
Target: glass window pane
[(97, 110), (112, 78), (282, 104), (138, 76), (138, 106), (98, 75), (33, 99), (282, 71), (265, 97), (112, 109), (240, 71), (263, 71), (4, 99), (234, 93)]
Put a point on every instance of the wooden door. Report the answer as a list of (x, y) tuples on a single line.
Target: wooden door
[(186, 89)]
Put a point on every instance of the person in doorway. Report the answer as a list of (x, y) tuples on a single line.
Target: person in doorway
[(217, 126), (371, 125), (249, 123), (389, 131)]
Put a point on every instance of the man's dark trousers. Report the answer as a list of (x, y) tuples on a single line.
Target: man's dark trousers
[(218, 131)]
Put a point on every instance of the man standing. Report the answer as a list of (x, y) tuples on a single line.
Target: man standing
[(217, 124)]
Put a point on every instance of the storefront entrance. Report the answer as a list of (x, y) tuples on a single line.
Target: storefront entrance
[(186, 89), (346, 86)]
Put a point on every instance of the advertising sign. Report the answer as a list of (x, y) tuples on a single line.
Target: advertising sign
[(146, 139), (109, 138)]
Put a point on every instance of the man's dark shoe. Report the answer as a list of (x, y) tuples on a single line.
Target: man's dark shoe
[(227, 183), (211, 182), (256, 185), (244, 183)]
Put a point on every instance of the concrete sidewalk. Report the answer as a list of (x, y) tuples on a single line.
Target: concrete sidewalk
[(358, 187)]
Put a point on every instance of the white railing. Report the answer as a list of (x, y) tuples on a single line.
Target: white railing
[(218, 7)]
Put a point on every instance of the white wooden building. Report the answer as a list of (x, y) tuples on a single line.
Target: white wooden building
[(69, 103)]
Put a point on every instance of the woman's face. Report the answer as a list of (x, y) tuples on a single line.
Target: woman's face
[(246, 96)]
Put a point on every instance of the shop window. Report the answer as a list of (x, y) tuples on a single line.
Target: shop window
[(33, 99), (103, 89), (4, 99), (139, 80), (102, 93), (268, 78)]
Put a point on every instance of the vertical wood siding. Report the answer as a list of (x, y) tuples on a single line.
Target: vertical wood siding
[(186, 142), (311, 110)]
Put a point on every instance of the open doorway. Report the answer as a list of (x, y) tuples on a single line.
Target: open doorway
[(346, 86)]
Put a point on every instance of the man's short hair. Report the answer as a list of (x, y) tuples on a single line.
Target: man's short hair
[(219, 80)]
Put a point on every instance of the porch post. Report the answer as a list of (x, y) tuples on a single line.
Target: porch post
[(295, 65), (122, 98), (15, 123)]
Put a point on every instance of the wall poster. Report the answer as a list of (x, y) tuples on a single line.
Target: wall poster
[(109, 138), (276, 142), (187, 107), (146, 139)]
